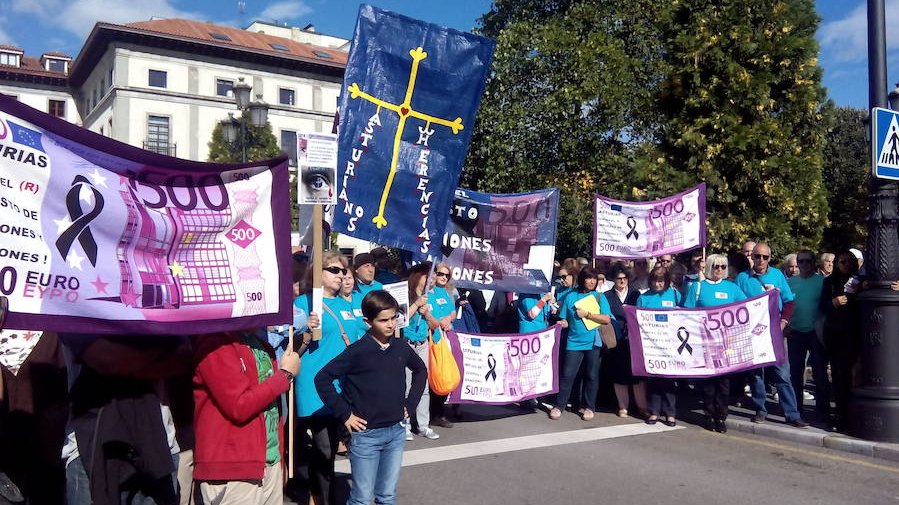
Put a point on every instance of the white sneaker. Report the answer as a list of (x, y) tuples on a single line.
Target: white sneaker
[(409, 436), (429, 433), (806, 396)]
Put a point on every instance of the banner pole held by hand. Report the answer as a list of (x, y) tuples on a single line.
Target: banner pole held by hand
[(318, 249)]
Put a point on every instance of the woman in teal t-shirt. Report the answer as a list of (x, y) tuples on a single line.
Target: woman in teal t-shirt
[(713, 291), (661, 392), (580, 350), (339, 329)]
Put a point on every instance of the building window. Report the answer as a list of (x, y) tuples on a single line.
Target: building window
[(110, 77), (220, 36), (286, 96), (224, 87), (158, 135), (289, 145), (9, 59), (157, 78), (54, 65), (279, 47), (57, 108), (102, 86)]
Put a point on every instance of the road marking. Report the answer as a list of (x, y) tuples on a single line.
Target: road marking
[(817, 454), (485, 447)]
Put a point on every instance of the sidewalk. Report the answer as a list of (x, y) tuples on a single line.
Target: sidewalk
[(775, 427)]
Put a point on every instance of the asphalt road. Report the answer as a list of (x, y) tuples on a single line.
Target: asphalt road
[(506, 455)]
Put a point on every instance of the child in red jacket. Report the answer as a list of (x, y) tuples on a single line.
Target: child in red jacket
[(237, 459)]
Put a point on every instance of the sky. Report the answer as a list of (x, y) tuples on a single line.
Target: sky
[(39, 26)]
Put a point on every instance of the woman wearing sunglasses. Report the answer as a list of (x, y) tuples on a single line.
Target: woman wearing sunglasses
[(443, 306), (713, 291), (339, 329)]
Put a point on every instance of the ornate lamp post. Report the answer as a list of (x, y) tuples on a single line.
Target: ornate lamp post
[(235, 130), (874, 408)]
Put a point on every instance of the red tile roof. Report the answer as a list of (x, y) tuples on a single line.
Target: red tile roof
[(31, 69), (10, 47), (56, 54), (239, 38)]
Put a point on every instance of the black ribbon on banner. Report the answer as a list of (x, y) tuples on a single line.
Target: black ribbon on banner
[(80, 227), (633, 228), (683, 335), (491, 362)]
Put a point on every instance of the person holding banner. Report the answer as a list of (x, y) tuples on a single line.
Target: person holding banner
[(534, 311), (339, 330), (662, 392), (417, 333), (713, 291), (580, 350), (755, 282)]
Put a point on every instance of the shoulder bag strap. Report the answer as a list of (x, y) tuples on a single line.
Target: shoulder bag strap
[(346, 339)]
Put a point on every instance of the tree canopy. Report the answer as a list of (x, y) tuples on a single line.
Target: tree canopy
[(639, 99)]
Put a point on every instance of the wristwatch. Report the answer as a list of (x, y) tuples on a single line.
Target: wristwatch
[(289, 375)]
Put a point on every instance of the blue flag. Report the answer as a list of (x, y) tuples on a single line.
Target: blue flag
[(410, 94), (25, 136)]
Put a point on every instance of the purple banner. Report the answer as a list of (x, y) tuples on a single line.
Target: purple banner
[(501, 369), (708, 341), (501, 241), (99, 236), (630, 230)]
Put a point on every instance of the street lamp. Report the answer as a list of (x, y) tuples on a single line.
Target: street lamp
[(236, 129), (874, 406)]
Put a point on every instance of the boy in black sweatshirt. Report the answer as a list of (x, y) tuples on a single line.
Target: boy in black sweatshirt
[(373, 402)]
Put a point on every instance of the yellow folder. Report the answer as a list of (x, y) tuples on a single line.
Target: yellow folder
[(591, 305)]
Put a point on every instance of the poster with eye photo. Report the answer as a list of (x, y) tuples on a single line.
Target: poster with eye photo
[(317, 168)]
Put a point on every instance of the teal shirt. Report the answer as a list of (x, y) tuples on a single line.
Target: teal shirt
[(579, 337), (321, 352), (356, 303), (712, 294), (668, 299), (365, 288), (807, 294), (753, 284), (525, 303), (442, 305)]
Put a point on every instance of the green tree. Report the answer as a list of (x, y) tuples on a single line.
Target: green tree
[(567, 104), (846, 172), (260, 142), (261, 145), (742, 111)]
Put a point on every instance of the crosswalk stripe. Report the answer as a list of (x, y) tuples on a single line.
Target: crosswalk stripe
[(485, 447)]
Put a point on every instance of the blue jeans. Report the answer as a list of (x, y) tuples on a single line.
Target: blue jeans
[(799, 345), (571, 364), (785, 393), (376, 456)]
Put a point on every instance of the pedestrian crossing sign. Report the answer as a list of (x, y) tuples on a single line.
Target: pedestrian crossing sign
[(885, 139)]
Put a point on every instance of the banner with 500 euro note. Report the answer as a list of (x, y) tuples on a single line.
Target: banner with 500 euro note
[(629, 230), (408, 103), (705, 342), (501, 241), (506, 368), (98, 236)]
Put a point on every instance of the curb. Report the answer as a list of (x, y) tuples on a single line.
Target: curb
[(819, 438)]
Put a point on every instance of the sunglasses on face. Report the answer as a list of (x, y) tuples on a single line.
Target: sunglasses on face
[(844, 262), (807, 261), (664, 261), (765, 257), (719, 267), (336, 270), (442, 274)]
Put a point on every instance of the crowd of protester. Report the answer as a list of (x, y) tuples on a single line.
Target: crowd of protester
[(201, 418)]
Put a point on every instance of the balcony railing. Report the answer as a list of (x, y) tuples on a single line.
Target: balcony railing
[(161, 147)]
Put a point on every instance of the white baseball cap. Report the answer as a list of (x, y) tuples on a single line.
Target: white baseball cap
[(858, 254)]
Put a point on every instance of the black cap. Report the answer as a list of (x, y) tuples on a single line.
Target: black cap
[(361, 259)]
